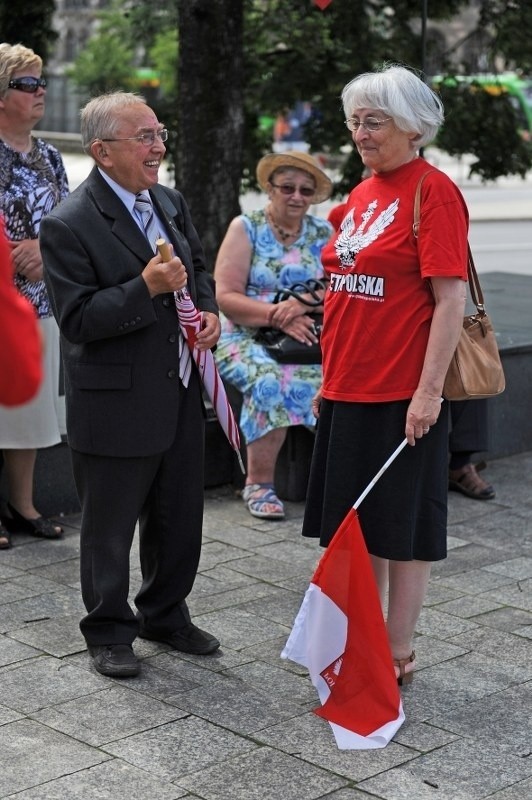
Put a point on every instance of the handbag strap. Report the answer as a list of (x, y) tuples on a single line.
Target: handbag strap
[(474, 283), (311, 287)]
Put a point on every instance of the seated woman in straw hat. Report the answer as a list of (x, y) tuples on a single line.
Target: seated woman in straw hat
[(262, 252)]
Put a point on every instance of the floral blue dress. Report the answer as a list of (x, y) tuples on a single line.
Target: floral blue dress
[(31, 185), (274, 395)]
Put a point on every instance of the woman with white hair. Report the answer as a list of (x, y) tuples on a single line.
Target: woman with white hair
[(393, 314)]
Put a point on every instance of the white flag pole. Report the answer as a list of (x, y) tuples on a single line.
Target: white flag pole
[(379, 474), (382, 470)]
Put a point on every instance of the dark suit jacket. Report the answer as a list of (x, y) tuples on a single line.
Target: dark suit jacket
[(119, 345)]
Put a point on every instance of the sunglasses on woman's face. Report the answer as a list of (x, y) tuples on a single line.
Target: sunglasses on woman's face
[(27, 84)]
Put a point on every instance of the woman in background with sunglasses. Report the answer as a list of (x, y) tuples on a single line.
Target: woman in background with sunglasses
[(32, 182), (263, 252)]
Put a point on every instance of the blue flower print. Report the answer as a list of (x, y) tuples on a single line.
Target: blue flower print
[(299, 396), (293, 273), (267, 392)]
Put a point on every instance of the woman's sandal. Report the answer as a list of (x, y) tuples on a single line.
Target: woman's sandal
[(41, 527), (467, 481), (5, 538), (262, 501), (400, 665)]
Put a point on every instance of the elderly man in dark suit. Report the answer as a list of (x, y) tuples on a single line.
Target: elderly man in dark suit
[(135, 429)]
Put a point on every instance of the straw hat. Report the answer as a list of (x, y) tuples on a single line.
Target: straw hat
[(295, 160)]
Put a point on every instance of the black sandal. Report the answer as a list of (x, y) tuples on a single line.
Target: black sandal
[(5, 537), (40, 527)]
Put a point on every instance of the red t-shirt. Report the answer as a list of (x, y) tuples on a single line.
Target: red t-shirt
[(378, 307)]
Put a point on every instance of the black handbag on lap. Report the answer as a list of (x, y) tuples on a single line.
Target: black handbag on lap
[(284, 348)]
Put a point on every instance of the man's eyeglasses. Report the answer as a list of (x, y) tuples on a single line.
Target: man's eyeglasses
[(370, 124), (289, 188), (147, 138), (27, 84)]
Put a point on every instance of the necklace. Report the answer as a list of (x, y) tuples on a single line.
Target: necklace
[(284, 234)]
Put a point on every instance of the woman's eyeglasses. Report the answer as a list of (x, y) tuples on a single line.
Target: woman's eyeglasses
[(27, 84), (290, 188), (370, 124), (147, 138)]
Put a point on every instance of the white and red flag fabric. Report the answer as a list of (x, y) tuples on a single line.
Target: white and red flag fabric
[(190, 322), (340, 635)]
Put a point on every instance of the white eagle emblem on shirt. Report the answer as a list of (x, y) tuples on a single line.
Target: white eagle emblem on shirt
[(351, 241)]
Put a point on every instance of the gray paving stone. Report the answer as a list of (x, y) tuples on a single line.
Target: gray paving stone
[(62, 572), (518, 568), (109, 714), (180, 747), (214, 553), (518, 594), (440, 625), (311, 738), (469, 606), (489, 719), (43, 682), (506, 619), (12, 651), (8, 715), (422, 736), (268, 569), (202, 600), (471, 556), (105, 781), (279, 605), (262, 775), (462, 770), (237, 706), (474, 581), (237, 628), (35, 609), (519, 791), (438, 592), (277, 682), (59, 636), (505, 647), (33, 754)]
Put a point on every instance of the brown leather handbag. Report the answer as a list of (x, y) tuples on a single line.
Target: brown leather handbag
[(475, 371)]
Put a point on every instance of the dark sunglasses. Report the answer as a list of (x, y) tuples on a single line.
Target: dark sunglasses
[(289, 188), (27, 84)]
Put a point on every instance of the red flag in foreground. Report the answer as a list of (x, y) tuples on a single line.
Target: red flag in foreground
[(340, 636)]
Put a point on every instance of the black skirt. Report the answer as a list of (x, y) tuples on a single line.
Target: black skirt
[(404, 516)]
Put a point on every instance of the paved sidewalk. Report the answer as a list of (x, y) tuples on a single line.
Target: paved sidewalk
[(238, 725)]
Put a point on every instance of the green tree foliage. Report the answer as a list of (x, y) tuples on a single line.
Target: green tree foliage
[(511, 21), (485, 125), (28, 23)]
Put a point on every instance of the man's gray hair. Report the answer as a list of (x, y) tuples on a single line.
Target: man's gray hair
[(99, 118)]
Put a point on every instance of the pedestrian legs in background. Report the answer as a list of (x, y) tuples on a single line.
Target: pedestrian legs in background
[(468, 435)]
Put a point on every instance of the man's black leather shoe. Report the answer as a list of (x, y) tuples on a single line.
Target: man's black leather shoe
[(115, 660), (187, 639)]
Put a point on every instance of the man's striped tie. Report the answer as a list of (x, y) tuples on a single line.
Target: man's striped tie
[(144, 206)]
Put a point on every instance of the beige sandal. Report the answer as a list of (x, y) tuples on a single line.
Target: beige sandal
[(400, 664)]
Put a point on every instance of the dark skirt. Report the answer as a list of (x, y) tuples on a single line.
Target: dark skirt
[(404, 516)]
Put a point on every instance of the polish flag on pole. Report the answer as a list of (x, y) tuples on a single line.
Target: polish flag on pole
[(339, 634)]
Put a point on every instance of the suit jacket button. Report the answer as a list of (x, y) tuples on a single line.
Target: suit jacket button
[(133, 322), (172, 373), (172, 338), (166, 302), (138, 319)]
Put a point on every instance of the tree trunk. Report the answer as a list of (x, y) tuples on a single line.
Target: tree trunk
[(210, 122)]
